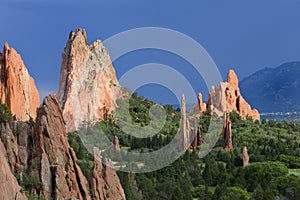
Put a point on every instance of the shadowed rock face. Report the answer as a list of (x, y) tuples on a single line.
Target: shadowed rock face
[(88, 84), (227, 133), (54, 161), (44, 153), (9, 186), (17, 88), (227, 98), (105, 186)]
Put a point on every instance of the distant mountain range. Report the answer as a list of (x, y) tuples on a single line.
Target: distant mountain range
[(274, 89)]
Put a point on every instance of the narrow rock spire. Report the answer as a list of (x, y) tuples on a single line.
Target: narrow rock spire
[(245, 157), (227, 133)]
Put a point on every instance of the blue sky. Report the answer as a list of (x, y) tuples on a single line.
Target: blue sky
[(243, 35)]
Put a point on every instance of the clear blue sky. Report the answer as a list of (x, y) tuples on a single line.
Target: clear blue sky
[(244, 35)]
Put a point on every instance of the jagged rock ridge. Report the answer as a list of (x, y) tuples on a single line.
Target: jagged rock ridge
[(88, 83), (17, 87), (43, 152), (54, 161), (227, 98), (59, 173)]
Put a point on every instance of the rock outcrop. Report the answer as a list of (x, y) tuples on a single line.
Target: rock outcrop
[(201, 105), (227, 133), (53, 162), (184, 127), (16, 138), (227, 98), (198, 139), (105, 186), (190, 131), (116, 145), (17, 87), (88, 83), (9, 186), (245, 157)]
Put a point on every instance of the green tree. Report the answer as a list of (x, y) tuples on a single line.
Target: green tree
[(258, 193), (177, 194), (5, 114)]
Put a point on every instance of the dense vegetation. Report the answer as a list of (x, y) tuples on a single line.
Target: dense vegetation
[(5, 114), (273, 148)]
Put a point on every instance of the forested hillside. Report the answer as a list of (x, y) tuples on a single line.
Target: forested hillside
[(273, 149)]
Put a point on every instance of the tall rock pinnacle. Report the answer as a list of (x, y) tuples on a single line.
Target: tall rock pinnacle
[(227, 133), (17, 87), (201, 105), (55, 161), (245, 157), (184, 126), (88, 83), (227, 98)]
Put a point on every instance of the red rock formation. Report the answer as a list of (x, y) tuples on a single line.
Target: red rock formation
[(105, 186), (15, 136), (17, 88), (116, 145), (88, 84), (198, 139), (53, 161), (233, 80), (245, 157), (227, 98), (9, 186), (201, 105), (114, 188), (227, 133), (184, 127)]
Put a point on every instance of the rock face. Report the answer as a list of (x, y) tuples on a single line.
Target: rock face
[(88, 83), (53, 161), (9, 186), (227, 133), (184, 127), (190, 131), (15, 136), (17, 87), (116, 144), (201, 105), (105, 186), (245, 157), (198, 140), (227, 98)]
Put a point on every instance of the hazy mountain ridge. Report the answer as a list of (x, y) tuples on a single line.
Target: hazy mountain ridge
[(274, 89)]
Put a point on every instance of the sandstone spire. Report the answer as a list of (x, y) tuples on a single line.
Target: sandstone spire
[(201, 105), (227, 133), (245, 157), (184, 126), (233, 80), (116, 143), (55, 162), (226, 97), (196, 132), (106, 186), (88, 83), (17, 87)]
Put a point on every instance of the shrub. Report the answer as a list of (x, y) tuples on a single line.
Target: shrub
[(5, 114)]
